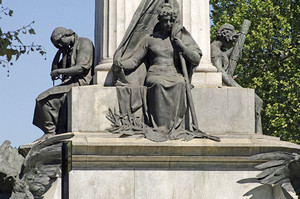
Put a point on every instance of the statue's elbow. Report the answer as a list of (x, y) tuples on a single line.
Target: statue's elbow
[(196, 59)]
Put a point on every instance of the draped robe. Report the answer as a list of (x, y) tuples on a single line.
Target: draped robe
[(166, 87)]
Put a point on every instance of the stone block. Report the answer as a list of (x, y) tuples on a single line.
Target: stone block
[(88, 107), (110, 184), (219, 110), (201, 79), (225, 110), (214, 78), (106, 166), (169, 184), (103, 78)]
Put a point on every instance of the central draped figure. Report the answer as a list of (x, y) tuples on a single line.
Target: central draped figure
[(149, 55)]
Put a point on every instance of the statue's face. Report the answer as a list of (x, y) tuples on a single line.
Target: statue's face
[(228, 37), (166, 23), (65, 41)]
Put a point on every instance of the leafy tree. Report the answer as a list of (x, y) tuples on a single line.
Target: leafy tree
[(271, 58), (11, 46)]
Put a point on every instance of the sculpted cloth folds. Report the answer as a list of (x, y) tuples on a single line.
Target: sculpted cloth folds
[(50, 113), (144, 22), (140, 51)]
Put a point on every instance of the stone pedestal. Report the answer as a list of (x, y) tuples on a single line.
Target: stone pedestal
[(113, 17), (219, 110), (106, 166)]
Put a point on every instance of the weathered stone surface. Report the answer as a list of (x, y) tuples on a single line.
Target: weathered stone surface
[(105, 166), (112, 184), (89, 107), (225, 110), (174, 184), (219, 110), (105, 150)]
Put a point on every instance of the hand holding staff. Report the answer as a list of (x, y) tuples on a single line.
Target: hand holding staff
[(191, 102)]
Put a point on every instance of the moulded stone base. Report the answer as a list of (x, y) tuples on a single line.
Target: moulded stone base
[(106, 166), (206, 76), (219, 110), (169, 184), (201, 79)]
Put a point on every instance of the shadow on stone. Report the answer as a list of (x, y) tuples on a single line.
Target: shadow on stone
[(268, 192)]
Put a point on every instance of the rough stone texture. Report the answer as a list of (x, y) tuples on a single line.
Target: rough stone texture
[(219, 110), (105, 166)]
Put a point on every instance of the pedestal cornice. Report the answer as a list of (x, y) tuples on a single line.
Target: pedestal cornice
[(105, 150)]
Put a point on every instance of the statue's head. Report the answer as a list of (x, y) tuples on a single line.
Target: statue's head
[(167, 16), (226, 33), (62, 37)]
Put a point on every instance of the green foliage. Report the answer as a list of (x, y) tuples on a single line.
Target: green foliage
[(271, 58), (11, 46)]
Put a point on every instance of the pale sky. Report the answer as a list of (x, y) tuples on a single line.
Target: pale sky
[(30, 75)]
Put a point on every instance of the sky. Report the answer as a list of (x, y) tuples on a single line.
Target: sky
[(30, 75)]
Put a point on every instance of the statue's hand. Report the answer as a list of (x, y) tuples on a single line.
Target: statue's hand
[(116, 68), (178, 42), (117, 62), (117, 65), (55, 74)]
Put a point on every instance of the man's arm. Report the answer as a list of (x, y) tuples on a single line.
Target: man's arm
[(84, 61), (136, 59), (190, 55), (226, 79), (229, 51), (56, 63)]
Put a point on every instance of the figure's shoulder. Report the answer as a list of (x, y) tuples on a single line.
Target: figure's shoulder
[(155, 35), (84, 42), (148, 37), (215, 51), (146, 40)]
